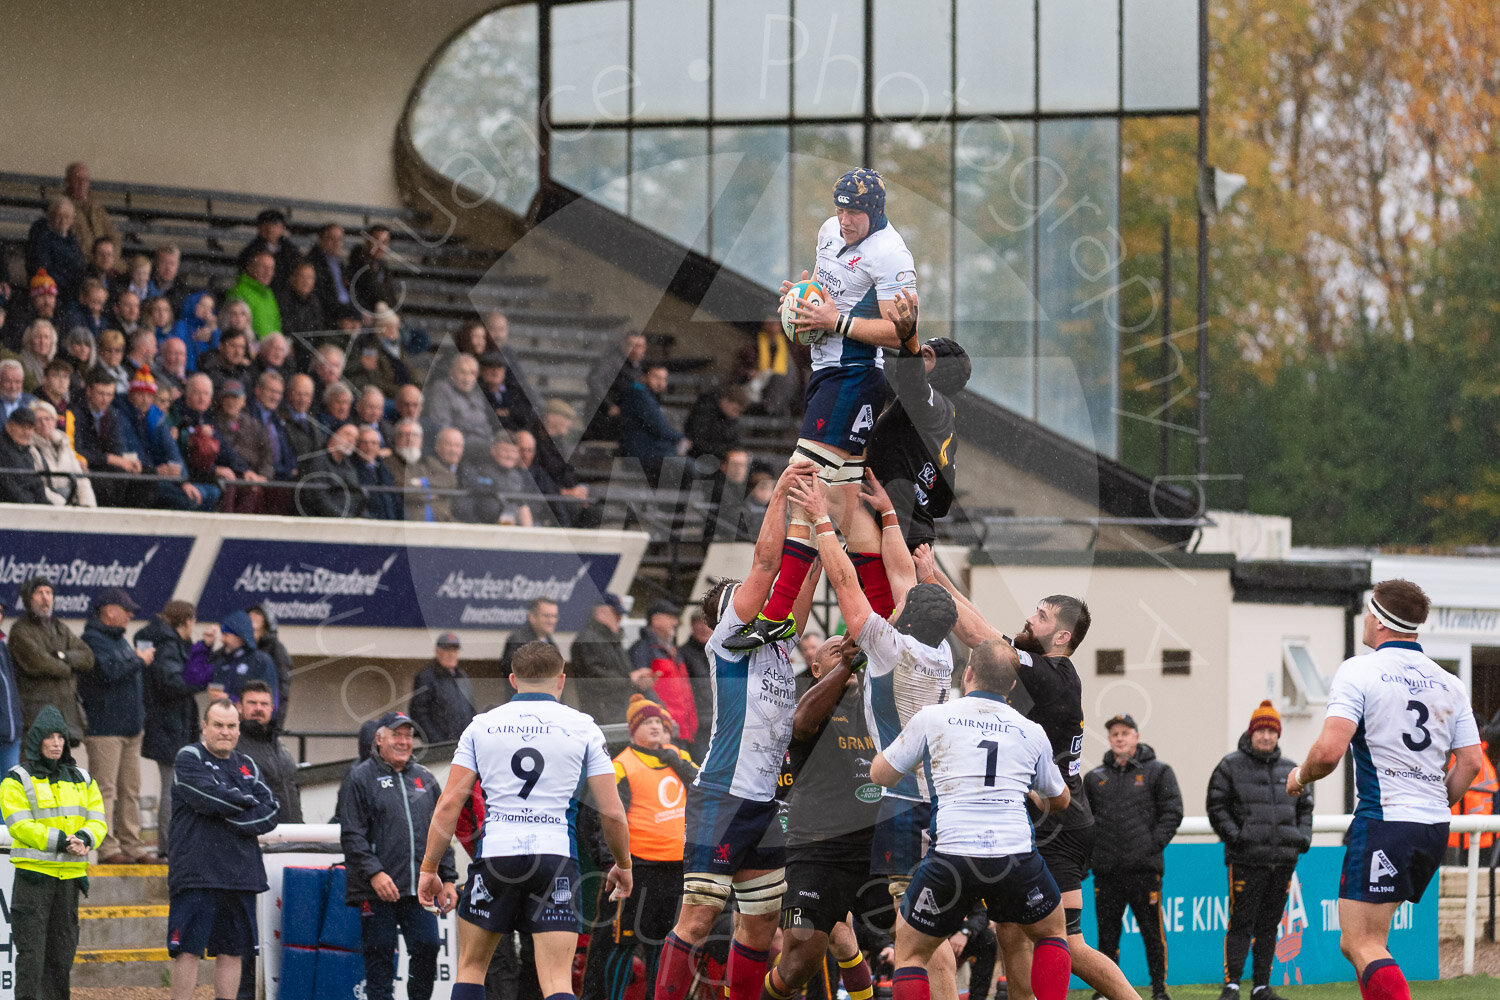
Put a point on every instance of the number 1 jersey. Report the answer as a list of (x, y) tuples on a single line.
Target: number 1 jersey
[(1410, 713), (533, 757)]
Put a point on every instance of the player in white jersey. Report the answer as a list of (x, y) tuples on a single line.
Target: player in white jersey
[(862, 262), (986, 760), (1402, 715), (733, 842), (532, 756)]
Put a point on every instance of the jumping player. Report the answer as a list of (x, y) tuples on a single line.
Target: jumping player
[(531, 757), (1050, 694), (909, 668), (862, 262), (1404, 715), (986, 762), (733, 844)]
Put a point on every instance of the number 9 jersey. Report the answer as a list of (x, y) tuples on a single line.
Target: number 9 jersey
[(1411, 713), (533, 757)]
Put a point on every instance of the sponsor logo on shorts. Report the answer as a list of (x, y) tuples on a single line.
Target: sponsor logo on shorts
[(721, 853), (1381, 867), (562, 891), (926, 902), (1035, 897), (479, 892)]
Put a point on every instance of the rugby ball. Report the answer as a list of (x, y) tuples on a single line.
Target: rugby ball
[(809, 291)]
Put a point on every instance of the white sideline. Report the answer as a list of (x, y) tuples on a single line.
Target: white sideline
[(1192, 827)]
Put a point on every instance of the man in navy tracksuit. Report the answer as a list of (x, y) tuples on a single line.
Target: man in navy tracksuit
[(220, 806), (385, 804)]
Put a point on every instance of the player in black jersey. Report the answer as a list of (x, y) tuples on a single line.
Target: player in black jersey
[(914, 448), (1050, 694), (831, 818)]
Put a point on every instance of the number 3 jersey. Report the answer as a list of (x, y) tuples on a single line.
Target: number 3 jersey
[(984, 757), (1410, 713), (533, 756)]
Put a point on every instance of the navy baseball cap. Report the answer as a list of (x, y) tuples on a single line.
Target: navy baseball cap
[(114, 595), (449, 639), (612, 601), (1123, 719), (391, 720)]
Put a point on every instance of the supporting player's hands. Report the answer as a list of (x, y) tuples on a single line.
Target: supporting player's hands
[(925, 561), (904, 316), (429, 888), (811, 496), (385, 887), (797, 473), (848, 651), (619, 882), (872, 493)]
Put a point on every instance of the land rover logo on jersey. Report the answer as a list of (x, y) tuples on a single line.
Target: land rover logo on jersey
[(1381, 867), (864, 420), (868, 792), (479, 894), (562, 891), (926, 902)]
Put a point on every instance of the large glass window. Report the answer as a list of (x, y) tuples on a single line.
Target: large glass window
[(997, 123)]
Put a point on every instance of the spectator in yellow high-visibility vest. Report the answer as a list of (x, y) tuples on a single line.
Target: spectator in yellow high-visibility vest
[(55, 814)]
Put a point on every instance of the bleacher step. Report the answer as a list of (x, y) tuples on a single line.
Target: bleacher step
[(123, 929)]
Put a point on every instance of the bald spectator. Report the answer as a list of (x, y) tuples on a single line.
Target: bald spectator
[(254, 289), (329, 485), (327, 366), (90, 220), (140, 351), (271, 238), (304, 434), (20, 464), (457, 401), (438, 471), (370, 280), (208, 458), (166, 265), (381, 503), (331, 286), (378, 358), (410, 403), (50, 246), (171, 366), (338, 407)]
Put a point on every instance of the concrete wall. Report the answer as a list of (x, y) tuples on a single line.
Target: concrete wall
[(299, 99)]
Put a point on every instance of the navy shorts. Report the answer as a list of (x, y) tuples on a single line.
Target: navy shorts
[(1015, 889), (1388, 861), (898, 845), (823, 887), (212, 922), (1068, 853), (842, 404), (727, 834), (536, 894)]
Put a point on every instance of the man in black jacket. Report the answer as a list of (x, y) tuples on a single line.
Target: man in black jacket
[(113, 697), (260, 740), (1137, 809), (178, 670), (385, 805), (263, 620), (1264, 831), (541, 622), (599, 671), (328, 484), (19, 482), (442, 702)]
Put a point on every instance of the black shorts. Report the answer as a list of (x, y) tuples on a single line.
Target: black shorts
[(825, 886), (726, 834), (1388, 861), (1015, 888), (535, 893), (900, 829), (212, 922), (842, 404), (1068, 854)]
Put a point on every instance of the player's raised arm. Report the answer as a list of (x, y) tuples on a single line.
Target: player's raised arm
[(814, 707), (971, 629), (853, 604), (750, 596), (900, 570)]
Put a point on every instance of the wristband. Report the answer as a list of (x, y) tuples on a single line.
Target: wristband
[(624, 868), (429, 867), (818, 528), (894, 521), (843, 325), (1297, 777)]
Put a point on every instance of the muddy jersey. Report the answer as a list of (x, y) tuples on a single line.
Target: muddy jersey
[(903, 676), (755, 695)]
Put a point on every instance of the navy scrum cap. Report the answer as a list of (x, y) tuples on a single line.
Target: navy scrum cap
[(864, 191)]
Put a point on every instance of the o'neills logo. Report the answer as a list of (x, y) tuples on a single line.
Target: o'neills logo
[(318, 580), (459, 586), (76, 573)]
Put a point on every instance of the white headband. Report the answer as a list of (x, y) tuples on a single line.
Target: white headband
[(1389, 620)]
